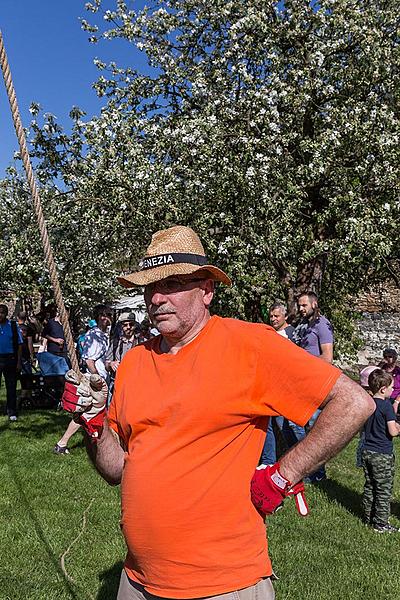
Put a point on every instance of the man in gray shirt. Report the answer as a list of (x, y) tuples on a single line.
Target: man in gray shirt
[(314, 333)]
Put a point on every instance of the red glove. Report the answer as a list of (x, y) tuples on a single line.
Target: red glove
[(301, 503), (71, 400), (85, 396), (93, 426), (269, 489)]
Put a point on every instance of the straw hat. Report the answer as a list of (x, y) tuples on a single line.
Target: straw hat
[(174, 251)]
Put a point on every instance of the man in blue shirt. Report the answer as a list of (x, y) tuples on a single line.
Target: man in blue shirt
[(10, 359)]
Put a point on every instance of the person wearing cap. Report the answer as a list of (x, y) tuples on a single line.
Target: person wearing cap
[(186, 426), (124, 338), (122, 342)]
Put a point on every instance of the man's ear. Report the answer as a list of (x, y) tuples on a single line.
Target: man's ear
[(208, 286)]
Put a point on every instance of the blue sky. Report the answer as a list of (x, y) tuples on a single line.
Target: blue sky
[(51, 62)]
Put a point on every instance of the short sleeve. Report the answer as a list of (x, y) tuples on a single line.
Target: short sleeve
[(289, 381), (93, 348), (390, 415), (19, 334), (325, 331)]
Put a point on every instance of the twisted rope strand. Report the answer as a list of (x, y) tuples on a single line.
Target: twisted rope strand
[(48, 253)]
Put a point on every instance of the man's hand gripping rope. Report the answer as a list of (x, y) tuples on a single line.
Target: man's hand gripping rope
[(86, 398), (269, 489)]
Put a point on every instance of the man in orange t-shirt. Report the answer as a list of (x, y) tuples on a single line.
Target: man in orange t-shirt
[(186, 427)]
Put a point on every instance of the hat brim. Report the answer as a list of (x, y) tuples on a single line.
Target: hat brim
[(142, 278)]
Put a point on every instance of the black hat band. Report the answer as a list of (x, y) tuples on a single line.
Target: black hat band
[(150, 262)]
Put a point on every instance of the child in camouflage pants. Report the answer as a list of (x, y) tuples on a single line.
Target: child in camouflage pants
[(377, 455)]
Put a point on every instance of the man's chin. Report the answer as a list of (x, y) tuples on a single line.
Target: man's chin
[(165, 326)]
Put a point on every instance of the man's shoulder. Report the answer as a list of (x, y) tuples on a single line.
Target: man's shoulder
[(239, 327), (242, 332), (95, 335), (382, 407), (324, 320), (322, 323), (388, 410)]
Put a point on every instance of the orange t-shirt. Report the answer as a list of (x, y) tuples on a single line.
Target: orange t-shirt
[(194, 425)]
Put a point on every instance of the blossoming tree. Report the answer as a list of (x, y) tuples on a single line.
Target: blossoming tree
[(272, 129)]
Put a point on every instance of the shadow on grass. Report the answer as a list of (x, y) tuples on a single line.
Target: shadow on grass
[(395, 509), (110, 582), (38, 423), (39, 531), (344, 496)]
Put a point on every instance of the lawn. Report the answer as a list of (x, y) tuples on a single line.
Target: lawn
[(56, 507)]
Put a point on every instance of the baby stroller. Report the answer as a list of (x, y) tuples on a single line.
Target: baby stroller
[(44, 388)]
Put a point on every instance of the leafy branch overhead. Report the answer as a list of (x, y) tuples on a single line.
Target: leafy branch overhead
[(272, 129)]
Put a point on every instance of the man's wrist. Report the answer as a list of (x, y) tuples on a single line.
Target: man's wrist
[(281, 482)]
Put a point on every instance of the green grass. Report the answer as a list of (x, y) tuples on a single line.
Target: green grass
[(328, 555)]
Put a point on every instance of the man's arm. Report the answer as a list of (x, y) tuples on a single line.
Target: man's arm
[(393, 428), (91, 365), (19, 357), (30, 347), (112, 365), (107, 455), (327, 352), (344, 411)]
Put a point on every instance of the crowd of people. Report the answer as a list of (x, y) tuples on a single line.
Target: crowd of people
[(375, 454), (192, 409), (37, 343)]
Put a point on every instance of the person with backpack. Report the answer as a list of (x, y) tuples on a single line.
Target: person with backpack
[(124, 338), (10, 359)]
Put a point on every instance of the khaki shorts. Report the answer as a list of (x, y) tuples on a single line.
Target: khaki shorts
[(262, 590)]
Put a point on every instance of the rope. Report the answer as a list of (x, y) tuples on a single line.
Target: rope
[(48, 253), (62, 560)]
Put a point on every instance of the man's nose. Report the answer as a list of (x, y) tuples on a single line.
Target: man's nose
[(158, 298)]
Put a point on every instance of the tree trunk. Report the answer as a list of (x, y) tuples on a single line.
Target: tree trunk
[(310, 275)]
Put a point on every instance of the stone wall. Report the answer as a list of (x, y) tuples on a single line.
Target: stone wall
[(383, 297), (378, 330)]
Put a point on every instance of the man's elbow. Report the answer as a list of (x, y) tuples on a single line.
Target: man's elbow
[(366, 405), (112, 480), (111, 474)]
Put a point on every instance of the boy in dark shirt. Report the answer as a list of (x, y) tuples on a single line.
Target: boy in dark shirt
[(377, 455)]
